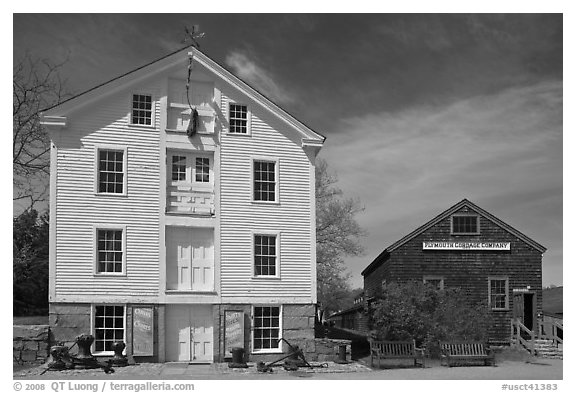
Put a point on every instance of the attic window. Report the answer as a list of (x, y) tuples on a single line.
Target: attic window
[(142, 109), (238, 119), (465, 225)]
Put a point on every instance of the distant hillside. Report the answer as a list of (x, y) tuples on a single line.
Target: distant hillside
[(552, 300)]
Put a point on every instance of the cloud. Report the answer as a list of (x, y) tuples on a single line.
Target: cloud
[(502, 151), (248, 70)]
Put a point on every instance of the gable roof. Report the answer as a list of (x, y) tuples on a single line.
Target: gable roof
[(463, 203), (168, 61)]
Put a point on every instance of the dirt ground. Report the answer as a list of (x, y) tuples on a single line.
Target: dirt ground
[(533, 369)]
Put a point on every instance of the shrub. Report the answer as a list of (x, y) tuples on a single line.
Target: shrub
[(428, 315)]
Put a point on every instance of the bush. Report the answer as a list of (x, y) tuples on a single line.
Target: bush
[(419, 311)]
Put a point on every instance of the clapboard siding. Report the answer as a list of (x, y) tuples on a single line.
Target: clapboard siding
[(240, 217), (79, 210), (468, 270)]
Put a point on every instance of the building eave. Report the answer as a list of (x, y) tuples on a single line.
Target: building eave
[(465, 202), (309, 136)]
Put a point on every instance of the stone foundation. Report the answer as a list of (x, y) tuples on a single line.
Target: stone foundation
[(30, 343), (69, 321), (328, 349), (297, 329)]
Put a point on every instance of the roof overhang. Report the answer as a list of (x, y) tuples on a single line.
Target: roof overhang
[(53, 122), (309, 137)]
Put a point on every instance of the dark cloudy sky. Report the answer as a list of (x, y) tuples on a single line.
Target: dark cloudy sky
[(420, 111)]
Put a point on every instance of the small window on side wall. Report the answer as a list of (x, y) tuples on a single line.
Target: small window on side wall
[(238, 119), (267, 329), (141, 109), (435, 281), (498, 293), (465, 225), (109, 251), (265, 181), (109, 321), (111, 171)]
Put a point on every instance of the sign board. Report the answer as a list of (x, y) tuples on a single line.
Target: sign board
[(233, 331), (465, 246), (143, 331)]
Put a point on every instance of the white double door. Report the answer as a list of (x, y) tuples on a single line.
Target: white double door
[(190, 259), (189, 333)]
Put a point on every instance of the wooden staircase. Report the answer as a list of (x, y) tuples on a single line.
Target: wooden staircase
[(537, 345)]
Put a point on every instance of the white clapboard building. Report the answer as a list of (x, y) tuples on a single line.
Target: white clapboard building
[(182, 247)]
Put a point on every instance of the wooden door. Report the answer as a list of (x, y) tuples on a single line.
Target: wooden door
[(189, 333), (178, 258), (518, 307), (178, 334), (202, 334), (202, 260)]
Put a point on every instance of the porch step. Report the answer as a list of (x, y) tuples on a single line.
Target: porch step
[(547, 349)]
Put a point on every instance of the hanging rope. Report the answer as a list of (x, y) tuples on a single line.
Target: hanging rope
[(193, 125)]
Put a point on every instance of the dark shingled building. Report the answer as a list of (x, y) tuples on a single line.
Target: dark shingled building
[(467, 247)]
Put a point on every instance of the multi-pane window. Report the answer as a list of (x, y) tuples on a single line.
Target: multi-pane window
[(465, 225), (111, 171), (498, 293), (265, 255), (178, 168), (238, 119), (142, 109), (265, 181), (108, 327), (202, 169), (266, 328), (436, 282), (110, 253)]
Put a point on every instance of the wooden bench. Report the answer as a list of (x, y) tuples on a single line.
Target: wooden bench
[(396, 350), (465, 352)]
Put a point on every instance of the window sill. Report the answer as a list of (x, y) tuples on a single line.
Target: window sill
[(109, 353), (274, 278), (238, 133), (110, 195), (190, 292), (499, 309), (109, 274), (265, 203), (267, 352), (142, 126)]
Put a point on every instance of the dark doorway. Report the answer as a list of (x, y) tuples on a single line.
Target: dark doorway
[(529, 310)]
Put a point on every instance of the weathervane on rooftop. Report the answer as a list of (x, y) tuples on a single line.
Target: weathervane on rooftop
[(192, 35)]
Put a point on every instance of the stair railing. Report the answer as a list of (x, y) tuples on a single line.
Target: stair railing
[(550, 331), (517, 328)]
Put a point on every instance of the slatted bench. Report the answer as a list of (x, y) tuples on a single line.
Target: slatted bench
[(465, 352), (396, 350)]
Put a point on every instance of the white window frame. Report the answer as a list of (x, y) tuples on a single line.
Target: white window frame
[(280, 330), (93, 327), (97, 149), (507, 286), (248, 119), (253, 255), (191, 169), (452, 232), (152, 114), (109, 227), (427, 278), (276, 162)]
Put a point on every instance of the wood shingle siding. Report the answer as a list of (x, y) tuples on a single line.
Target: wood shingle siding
[(467, 269)]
